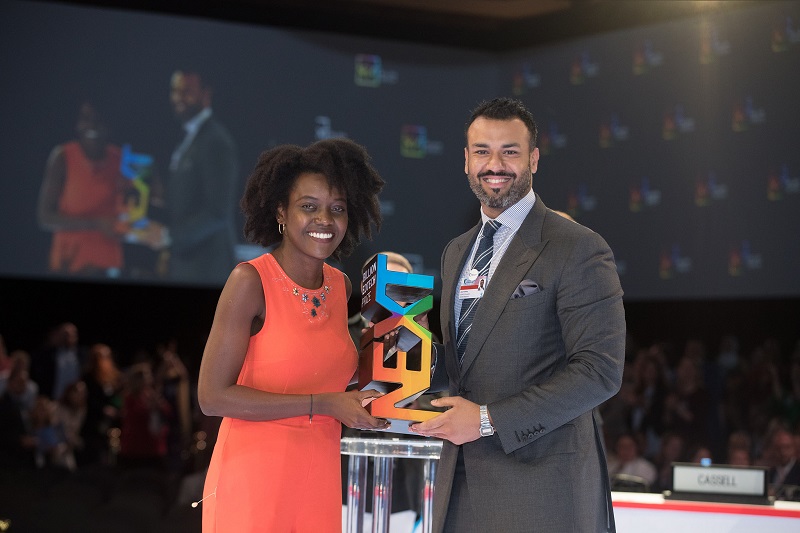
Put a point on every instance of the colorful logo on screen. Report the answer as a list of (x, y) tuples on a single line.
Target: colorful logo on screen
[(414, 142), (746, 114), (672, 263), (323, 129), (583, 68), (369, 71), (676, 123), (580, 201), (781, 185), (643, 196), (551, 139), (785, 36), (612, 132), (708, 189), (742, 258), (712, 45), (645, 58), (524, 79)]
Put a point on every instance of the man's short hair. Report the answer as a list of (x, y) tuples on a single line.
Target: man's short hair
[(505, 109)]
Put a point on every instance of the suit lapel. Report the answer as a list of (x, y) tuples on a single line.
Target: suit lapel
[(522, 252), (455, 263)]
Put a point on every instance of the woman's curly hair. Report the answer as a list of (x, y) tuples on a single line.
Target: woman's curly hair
[(348, 169)]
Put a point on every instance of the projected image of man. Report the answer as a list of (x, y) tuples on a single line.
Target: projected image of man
[(201, 187)]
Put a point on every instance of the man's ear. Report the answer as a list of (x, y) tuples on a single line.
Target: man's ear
[(534, 160)]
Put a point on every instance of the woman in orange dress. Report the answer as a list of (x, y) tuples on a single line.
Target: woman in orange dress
[(279, 356), (80, 198)]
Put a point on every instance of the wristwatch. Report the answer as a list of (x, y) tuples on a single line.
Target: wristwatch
[(487, 429)]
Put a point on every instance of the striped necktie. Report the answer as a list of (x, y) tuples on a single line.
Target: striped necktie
[(481, 262)]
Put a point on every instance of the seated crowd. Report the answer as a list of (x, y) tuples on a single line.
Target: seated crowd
[(68, 407), (687, 404)]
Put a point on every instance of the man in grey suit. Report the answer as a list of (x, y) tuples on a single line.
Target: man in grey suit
[(523, 449), (202, 188)]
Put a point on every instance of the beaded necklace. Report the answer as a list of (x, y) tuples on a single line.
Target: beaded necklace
[(312, 302)]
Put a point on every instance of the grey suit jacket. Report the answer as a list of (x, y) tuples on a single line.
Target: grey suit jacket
[(542, 362), (201, 196)]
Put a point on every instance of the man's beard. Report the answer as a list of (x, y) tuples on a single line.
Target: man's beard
[(188, 113), (519, 188)]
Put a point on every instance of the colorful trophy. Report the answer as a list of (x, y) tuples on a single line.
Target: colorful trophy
[(137, 169), (400, 367)]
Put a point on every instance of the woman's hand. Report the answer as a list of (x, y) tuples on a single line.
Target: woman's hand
[(349, 408)]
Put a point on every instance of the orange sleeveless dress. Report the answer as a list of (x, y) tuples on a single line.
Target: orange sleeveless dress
[(282, 476), (91, 189)]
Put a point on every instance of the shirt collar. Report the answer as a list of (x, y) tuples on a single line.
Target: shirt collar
[(193, 124), (514, 215)]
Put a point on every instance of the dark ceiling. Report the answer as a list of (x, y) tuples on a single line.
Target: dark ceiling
[(491, 25)]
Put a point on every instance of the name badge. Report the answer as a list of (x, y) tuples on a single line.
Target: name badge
[(472, 288)]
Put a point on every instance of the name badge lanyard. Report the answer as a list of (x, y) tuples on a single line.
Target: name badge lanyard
[(473, 285)]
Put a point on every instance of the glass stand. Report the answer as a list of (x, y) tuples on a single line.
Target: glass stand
[(383, 452)]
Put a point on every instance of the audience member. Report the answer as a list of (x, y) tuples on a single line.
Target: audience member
[(52, 448), (734, 408), (758, 390), (617, 410), (739, 457), (728, 356), (786, 390), (173, 384), (739, 449), (700, 453), (144, 421), (71, 413), (17, 444), (671, 451), (649, 397), (784, 467), (626, 459), (60, 363), (21, 358), (686, 407), (5, 365), (103, 400)]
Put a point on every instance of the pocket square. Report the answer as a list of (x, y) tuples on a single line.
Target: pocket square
[(525, 288)]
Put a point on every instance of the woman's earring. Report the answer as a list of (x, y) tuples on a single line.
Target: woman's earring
[(281, 226)]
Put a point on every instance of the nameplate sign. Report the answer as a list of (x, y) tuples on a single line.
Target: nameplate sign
[(719, 482)]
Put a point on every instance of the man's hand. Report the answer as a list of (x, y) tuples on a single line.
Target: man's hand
[(459, 424)]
